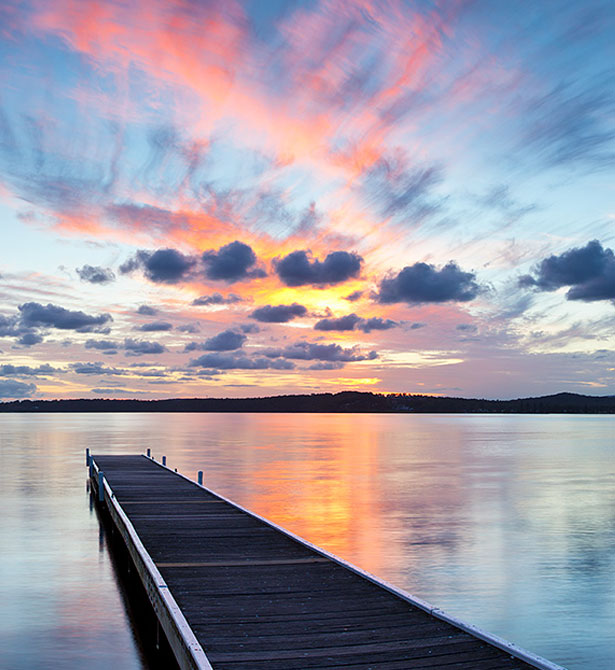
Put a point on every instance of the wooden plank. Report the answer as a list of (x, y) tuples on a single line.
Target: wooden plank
[(224, 564), (429, 657)]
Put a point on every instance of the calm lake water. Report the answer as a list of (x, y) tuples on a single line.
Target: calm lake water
[(506, 521)]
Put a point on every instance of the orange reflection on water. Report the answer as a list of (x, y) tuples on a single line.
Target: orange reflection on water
[(328, 491)]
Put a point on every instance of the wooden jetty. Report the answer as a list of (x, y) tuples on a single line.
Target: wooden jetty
[(233, 591)]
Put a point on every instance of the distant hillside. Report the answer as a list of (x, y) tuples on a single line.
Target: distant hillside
[(346, 401)]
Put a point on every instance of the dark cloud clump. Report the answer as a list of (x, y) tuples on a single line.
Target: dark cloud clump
[(376, 323), (234, 362), (231, 263), (11, 388), (8, 326), (141, 347), (147, 310), (155, 326), (95, 368), (308, 351), (588, 270), (35, 315), (95, 274), (217, 299), (189, 328), (30, 339), (9, 370), (423, 283), (354, 322), (299, 269), (348, 322), (326, 365), (354, 296), (227, 340), (278, 313), (164, 266), (100, 344)]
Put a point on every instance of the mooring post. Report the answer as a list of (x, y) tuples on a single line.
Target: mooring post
[(101, 486), (164, 460), (199, 476), (149, 453), (87, 456)]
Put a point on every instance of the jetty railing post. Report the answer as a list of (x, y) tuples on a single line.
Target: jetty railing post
[(101, 486), (149, 453), (199, 476), (164, 460), (87, 456)]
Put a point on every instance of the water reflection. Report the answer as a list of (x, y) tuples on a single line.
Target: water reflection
[(60, 608), (507, 521)]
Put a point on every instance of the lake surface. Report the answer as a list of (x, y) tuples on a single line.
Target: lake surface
[(506, 521)]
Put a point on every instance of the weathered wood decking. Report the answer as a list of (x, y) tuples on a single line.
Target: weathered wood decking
[(234, 592)]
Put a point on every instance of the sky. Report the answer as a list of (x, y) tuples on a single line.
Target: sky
[(255, 198)]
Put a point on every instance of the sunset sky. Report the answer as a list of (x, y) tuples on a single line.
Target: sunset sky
[(235, 199)]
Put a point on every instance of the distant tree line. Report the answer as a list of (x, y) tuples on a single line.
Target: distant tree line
[(344, 402)]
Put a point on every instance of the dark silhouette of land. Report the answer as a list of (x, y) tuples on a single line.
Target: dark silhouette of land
[(345, 402)]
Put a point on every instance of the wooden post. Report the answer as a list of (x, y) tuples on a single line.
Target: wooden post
[(164, 460), (149, 453), (101, 486), (87, 456), (199, 475)]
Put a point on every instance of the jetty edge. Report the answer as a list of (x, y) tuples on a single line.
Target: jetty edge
[(336, 629)]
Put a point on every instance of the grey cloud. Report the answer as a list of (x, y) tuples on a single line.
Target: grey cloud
[(30, 339), (324, 365), (217, 299), (34, 315), (307, 351), (299, 269), (249, 328), (354, 296), (164, 266), (147, 310), (348, 322), (232, 362), (588, 270), (9, 370), (423, 283), (140, 347), (278, 313), (231, 263), (354, 322), (9, 326), (466, 327), (100, 344), (376, 323), (95, 368), (155, 326), (227, 340), (189, 328), (10, 388), (95, 274)]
